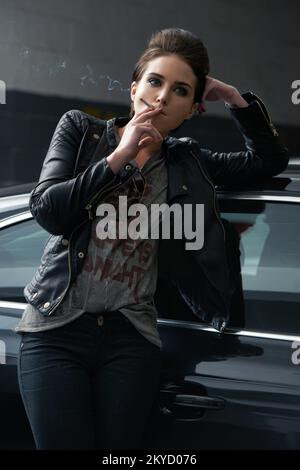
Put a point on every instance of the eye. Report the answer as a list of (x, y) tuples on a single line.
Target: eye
[(153, 79), (182, 90)]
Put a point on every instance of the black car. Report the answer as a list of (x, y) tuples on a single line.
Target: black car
[(236, 390)]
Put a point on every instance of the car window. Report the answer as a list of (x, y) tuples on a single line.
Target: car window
[(270, 262), (21, 248), (267, 294)]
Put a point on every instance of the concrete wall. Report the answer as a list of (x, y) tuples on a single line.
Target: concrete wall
[(57, 55)]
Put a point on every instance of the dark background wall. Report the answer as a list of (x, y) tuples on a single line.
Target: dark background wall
[(79, 54)]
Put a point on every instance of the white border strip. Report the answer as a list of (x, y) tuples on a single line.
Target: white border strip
[(233, 332), (14, 305), (13, 219), (252, 197)]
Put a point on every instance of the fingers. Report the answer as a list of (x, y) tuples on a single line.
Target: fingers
[(148, 133), (144, 142), (145, 114), (148, 128), (209, 84)]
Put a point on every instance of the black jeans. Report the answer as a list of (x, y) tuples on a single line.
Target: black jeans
[(89, 386)]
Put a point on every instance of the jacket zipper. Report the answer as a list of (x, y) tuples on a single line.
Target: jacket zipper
[(216, 213), (88, 207), (69, 265), (214, 192)]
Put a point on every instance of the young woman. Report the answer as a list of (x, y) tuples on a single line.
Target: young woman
[(90, 355)]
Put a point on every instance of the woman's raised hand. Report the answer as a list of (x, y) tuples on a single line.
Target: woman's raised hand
[(139, 133), (216, 90)]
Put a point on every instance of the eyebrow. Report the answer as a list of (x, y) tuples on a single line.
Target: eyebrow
[(161, 76)]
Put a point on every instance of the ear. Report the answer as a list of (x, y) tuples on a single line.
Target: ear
[(133, 90)]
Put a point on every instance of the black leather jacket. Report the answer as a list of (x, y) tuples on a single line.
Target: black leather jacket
[(75, 176)]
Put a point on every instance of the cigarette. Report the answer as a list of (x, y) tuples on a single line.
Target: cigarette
[(149, 105)]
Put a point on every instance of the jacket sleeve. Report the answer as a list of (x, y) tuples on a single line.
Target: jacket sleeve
[(58, 200), (265, 155)]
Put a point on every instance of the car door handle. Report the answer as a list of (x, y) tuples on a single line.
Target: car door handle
[(186, 406), (198, 402)]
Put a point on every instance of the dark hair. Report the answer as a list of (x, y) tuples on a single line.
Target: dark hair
[(176, 41)]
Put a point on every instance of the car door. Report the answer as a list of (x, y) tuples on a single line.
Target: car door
[(240, 389)]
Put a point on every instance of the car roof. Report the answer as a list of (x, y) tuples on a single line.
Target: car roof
[(284, 184)]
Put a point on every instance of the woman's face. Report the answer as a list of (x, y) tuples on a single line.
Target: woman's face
[(169, 81)]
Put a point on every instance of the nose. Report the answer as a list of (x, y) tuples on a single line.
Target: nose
[(161, 101), (162, 97)]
